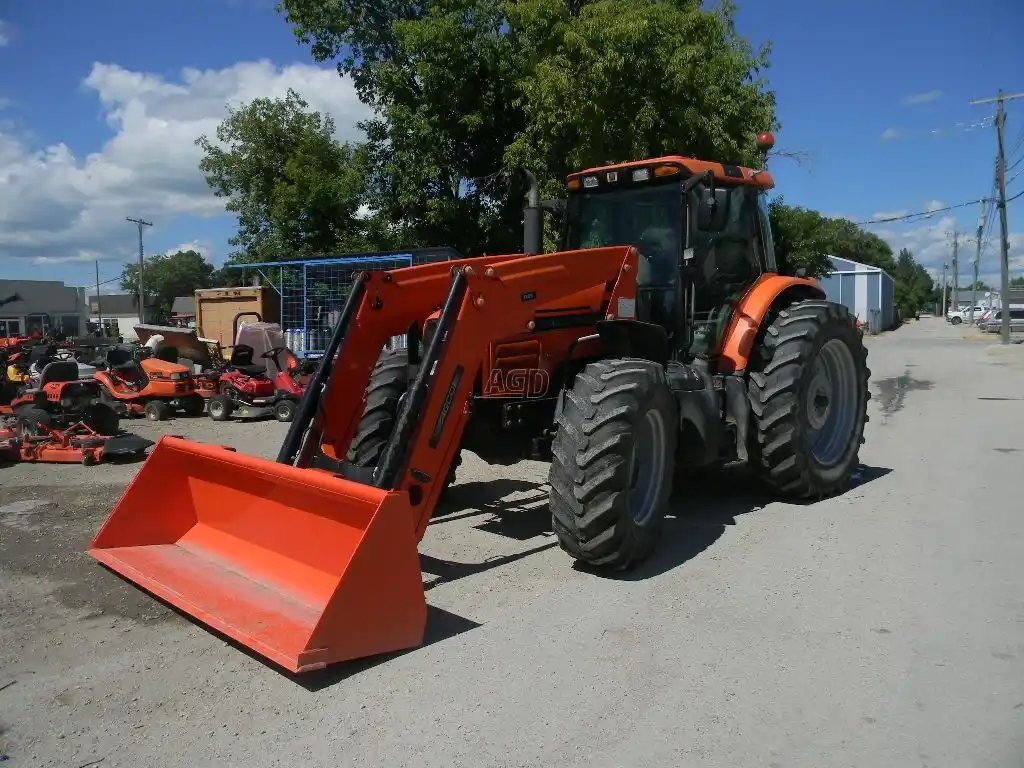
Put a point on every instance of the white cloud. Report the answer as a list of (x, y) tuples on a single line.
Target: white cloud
[(932, 245), (5, 34), (80, 256), (57, 206), (202, 247), (889, 134), (922, 98)]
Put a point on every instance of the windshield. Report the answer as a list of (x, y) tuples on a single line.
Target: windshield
[(648, 217)]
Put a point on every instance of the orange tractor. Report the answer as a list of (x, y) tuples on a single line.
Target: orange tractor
[(660, 337)]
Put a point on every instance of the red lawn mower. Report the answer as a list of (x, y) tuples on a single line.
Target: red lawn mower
[(62, 419), (244, 389), (32, 437)]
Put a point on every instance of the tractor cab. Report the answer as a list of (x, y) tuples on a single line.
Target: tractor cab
[(701, 230)]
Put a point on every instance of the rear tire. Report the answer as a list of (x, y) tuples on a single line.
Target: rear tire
[(809, 400), (284, 410), (613, 462), (388, 383), (157, 410), (219, 408)]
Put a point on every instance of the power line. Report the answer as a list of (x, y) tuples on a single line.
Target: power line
[(1017, 145), (920, 214)]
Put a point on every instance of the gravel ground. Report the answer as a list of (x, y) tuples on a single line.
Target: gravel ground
[(882, 627)]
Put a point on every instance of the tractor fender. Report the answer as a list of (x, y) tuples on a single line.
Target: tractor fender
[(632, 338), (748, 317)]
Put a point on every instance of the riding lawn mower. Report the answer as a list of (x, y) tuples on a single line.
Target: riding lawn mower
[(150, 387), (63, 419)]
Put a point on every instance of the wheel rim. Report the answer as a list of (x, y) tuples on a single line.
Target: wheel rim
[(647, 467), (832, 403), (216, 409)]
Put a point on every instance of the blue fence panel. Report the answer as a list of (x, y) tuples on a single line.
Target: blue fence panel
[(314, 292)]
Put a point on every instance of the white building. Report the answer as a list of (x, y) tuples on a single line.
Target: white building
[(119, 313)]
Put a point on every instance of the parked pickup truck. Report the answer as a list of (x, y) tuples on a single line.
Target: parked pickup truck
[(957, 316)]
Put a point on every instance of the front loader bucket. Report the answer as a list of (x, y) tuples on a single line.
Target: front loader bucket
[(302, 567)]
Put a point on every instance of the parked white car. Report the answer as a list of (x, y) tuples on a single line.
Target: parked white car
[(957, 316)]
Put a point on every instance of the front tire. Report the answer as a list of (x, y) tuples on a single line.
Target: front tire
[(612, 462), (955, 320), (219, 408), (809, 400), (157, 410), (284, 410), (388, 383)]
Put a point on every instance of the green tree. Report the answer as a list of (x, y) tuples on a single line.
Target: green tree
[(468, 92), (296, 190), (799, 239), (804, 239), (1017, 282), (913, 285), (168, 276)]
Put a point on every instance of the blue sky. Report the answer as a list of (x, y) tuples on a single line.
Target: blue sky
[(96, 126)]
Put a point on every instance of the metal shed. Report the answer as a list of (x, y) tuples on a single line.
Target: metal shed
[(867, 291), (313, 291)]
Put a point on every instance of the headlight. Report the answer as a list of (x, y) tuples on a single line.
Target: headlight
[(179, 376), (66, 402)]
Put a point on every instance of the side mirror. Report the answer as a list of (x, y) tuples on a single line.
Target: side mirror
[(713, 209), (801, 272)]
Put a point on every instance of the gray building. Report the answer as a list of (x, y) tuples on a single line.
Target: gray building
[(868, 292), (183, 311), (41, 305)]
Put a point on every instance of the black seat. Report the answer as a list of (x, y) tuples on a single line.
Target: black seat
[(59, 370), (121, 360), (241, 360)]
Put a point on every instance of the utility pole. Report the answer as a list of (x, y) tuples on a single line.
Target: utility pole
[(142, 296), (956, 271), (1004, 243), (977, 259), (944, 268), (99, 307)]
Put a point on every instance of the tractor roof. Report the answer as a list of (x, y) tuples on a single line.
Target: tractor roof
[(724, 173)]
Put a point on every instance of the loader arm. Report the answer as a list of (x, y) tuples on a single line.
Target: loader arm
[(483, 300), (304, 565)]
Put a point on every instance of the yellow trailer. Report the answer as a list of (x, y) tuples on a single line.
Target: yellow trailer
[(217, 308)]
